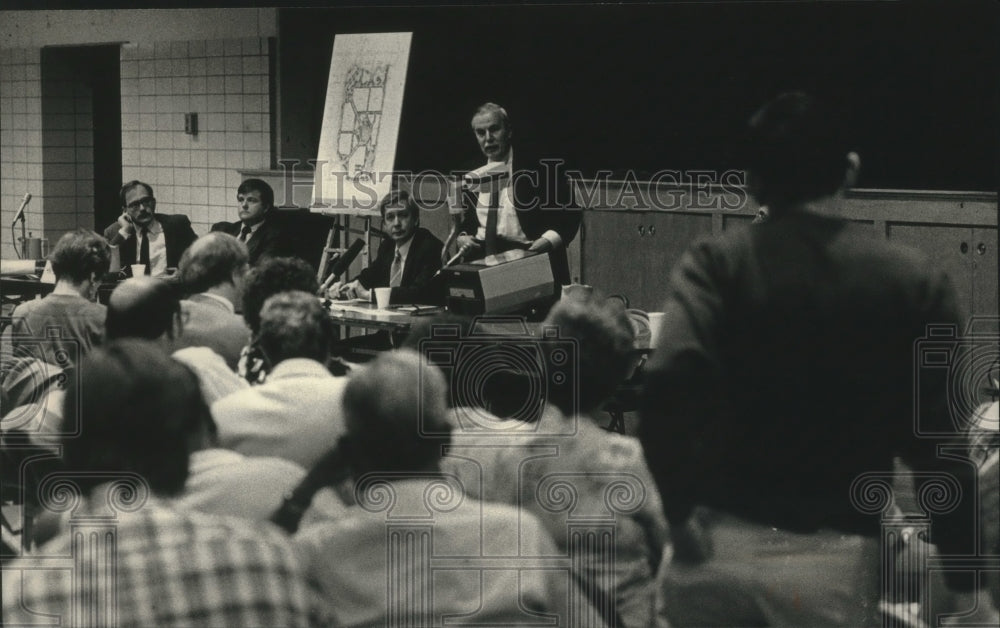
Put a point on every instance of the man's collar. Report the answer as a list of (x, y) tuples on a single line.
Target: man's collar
[(508, 160), (253, 227), (153, 227), (404, 248), (221, 299), (298, 367)]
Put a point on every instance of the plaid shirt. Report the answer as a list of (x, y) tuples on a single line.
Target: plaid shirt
[(173, 568)]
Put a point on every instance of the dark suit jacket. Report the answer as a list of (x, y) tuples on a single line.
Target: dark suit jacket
[(177, 233), (544, 201), (270, 240), (422, 261)]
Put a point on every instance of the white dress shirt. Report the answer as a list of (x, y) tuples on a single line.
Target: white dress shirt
[(157, 247), (508, 225)]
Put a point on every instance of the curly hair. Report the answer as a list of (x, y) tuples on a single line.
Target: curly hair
[(274, 275), (80, 253)]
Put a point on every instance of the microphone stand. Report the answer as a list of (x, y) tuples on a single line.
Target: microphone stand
[(23, 252)]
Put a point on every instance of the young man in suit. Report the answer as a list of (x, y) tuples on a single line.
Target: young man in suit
[(144, 237), (407, 263), (259, 226), (526, 205)]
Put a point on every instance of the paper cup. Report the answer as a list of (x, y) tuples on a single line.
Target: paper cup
[(655, 321), (138, 270), (382, 297)]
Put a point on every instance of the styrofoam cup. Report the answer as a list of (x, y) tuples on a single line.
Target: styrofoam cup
[(382, 297), (138, 270), (655, 321)]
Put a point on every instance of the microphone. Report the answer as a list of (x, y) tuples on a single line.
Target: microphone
[(345, 260), (20, 212), (462, 251)]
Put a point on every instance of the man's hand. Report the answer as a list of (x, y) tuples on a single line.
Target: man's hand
[(541, 245), (350, 290), (125, 226), (469, 246)]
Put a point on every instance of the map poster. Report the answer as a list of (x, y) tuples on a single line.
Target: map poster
[(364, 101)]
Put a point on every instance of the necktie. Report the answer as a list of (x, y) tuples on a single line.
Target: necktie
[(491, 222), (144, 248), (244, 233), (396, 271)]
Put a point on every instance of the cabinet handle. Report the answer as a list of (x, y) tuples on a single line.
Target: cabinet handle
[(964, 248), (642, 231), (981, 249), (652, 230)]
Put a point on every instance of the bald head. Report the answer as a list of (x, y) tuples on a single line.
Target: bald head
[(395, 412), (142, 307)]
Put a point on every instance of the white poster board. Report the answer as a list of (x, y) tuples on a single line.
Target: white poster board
[(364, 101)]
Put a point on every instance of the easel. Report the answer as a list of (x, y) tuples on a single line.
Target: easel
[(342, 223)]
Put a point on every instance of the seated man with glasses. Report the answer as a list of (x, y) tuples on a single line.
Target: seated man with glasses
[(145, 237)]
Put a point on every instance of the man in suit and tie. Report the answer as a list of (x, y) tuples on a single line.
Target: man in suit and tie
[(259, 226), (407, 263), (212, 272), (144, 237), (522, 203)]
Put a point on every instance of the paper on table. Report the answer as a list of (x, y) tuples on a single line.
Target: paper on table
[(360, 306)]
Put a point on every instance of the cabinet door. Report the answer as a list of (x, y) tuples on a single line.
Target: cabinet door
[(667, 236), (607, 251), (984, 271), (949, 248), (632, 253)]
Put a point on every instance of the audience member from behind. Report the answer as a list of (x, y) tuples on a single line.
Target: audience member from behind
[(783, 373), (296, 413), (170, 566), (79, 260), (225, 482), (150, 309), (267, 279), (595, 463), (390, 407), (212, 271)]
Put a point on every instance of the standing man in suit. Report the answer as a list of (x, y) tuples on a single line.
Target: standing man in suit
[(144, 237), (514, 204), (407, 264), (259, 226)]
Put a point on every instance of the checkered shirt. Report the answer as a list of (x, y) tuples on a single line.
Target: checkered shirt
[(173, 568)]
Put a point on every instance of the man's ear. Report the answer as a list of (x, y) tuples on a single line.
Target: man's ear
[(853, 170)]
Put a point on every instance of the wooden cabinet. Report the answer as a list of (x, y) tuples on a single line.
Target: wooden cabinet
[(628, 245), (967, 254), (632, 252)]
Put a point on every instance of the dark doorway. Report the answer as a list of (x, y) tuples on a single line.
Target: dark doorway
[(81, 136)]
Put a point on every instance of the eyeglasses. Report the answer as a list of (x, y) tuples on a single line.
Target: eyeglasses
[(148, 202)]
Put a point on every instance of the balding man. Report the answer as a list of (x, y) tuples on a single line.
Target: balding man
[(397, 428), (212, 271), (145, 237), (523, 203)]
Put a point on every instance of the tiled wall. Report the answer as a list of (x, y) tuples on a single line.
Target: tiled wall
[(21, 147), (224, 81)]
